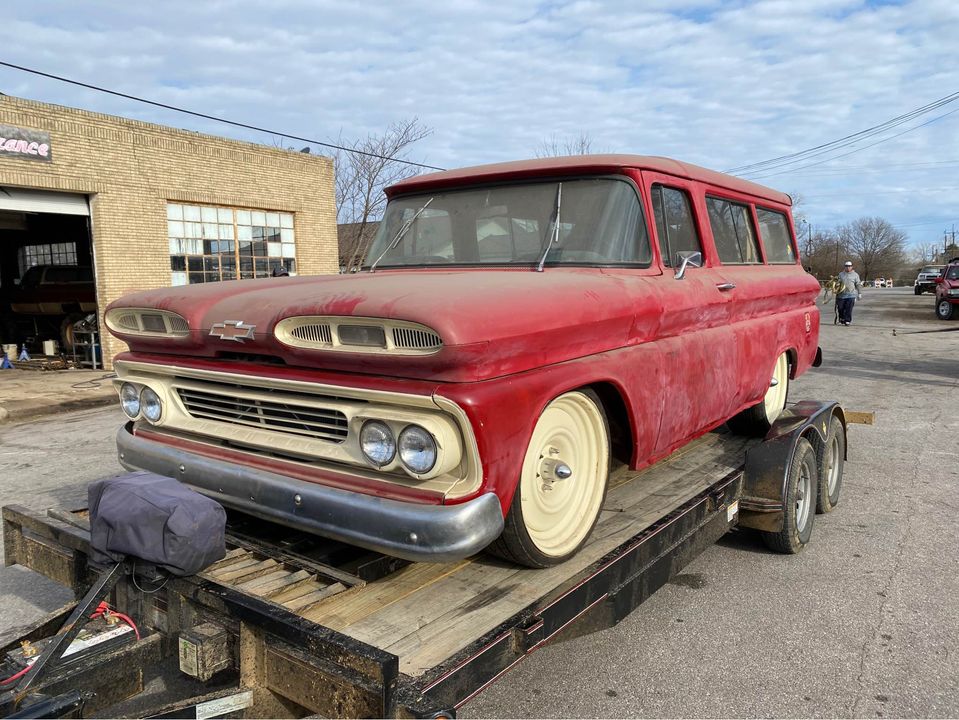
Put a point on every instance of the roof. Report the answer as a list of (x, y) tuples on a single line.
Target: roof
[(581, 164)]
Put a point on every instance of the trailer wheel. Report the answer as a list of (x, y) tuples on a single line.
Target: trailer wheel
[(832, 460), (799, 503), (562, 483), (755, 421)]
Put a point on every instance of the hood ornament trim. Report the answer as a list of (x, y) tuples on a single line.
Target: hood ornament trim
[(235, 330)]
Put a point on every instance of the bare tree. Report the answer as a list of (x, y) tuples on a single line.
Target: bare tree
[(876, 245), (823, 254), (362, 176), (582, 144)]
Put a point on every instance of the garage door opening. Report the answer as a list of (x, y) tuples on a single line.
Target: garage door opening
[(46, 273)]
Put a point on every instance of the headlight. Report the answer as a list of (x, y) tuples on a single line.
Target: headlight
[(953, 291), (130, 400), (377, 443), (150, 402), (417, 449)]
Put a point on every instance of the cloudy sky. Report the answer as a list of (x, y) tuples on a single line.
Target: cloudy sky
[(721, 84)]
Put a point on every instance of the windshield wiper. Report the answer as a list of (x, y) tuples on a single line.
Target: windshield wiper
[(555, 234), (404, 228)]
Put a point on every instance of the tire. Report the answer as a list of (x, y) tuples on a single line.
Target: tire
[(918, 290), (831, 464), (755, 421), (551, 517), (945, 310), (799, 504)]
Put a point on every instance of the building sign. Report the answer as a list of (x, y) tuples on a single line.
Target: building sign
[(29, 144)]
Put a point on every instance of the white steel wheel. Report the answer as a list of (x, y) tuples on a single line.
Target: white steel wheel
[(775, 400), (756, 420), (562, 483)]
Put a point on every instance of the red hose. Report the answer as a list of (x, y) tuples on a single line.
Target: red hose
[(15, 676)]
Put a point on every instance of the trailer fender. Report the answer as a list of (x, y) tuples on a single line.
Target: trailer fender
[(767, 464)]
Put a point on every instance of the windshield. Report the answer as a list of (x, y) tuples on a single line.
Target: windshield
[(601, 223)]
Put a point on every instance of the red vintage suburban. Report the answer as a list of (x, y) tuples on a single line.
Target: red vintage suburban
[(516, 327)]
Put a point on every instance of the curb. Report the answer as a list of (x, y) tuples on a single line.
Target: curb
[(35, 412)]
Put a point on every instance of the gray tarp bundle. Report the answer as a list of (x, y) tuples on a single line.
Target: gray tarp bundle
[(155, 519)]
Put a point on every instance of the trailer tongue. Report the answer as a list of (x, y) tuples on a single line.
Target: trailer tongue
[(289, 624)]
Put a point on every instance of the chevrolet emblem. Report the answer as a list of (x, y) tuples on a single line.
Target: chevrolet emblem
[(235, 330)]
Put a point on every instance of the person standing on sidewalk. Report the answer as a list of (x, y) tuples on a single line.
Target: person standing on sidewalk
[(850, 290)]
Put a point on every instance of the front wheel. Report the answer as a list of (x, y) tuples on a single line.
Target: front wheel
[(802, 483), (945, 310), (918, 290), (562, 483), (755, 421)]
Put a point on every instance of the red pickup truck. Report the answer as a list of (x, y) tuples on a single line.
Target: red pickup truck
[(516, 329)]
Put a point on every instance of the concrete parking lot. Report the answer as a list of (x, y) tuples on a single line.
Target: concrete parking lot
[(863, 623)]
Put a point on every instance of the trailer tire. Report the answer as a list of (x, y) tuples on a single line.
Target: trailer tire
[(756, 420), (799, 502), (832, 461), (551, 516)]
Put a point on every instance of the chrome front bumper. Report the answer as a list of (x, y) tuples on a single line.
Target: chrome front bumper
[(429, 533)]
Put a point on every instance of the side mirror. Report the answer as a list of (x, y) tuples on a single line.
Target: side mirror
[(686, 259), (939, 280)]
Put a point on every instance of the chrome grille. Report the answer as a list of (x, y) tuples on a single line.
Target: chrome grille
[(319, 334), (285, 417), (178, 326), (128, 322), (412, 339)]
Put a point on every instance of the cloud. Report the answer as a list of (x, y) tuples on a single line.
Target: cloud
[(716, 83)]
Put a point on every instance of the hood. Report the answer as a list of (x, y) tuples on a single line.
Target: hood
[(491, 322)]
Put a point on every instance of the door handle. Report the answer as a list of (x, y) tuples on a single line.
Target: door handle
[(725, 286)]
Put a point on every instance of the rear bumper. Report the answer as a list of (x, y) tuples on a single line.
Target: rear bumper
[(430, 533)]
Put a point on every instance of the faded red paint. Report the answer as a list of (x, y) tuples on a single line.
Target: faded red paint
[(683, 355)]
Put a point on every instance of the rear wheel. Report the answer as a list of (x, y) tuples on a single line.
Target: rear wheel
[(562, 483), (799, 503), (755, 421), (945, 310), (832, 460)]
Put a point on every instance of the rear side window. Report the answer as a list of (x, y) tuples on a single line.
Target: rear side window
[(733, 231), (774, 231), (675, 224)]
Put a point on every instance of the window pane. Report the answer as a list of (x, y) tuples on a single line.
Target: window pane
[(210, 230), (245, 232), (243, 217), (274, 249), (289, 250), (273, 219), (208, 214), (733, 231), (774, 231), (177, 262), (259, 217), (226, 232), (286, 234), (286, 220), (675, 223), (193, 230), (174, 228), (174, 211), (224, 215), (191, 212)]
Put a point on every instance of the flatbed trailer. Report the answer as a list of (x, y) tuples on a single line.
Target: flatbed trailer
[(289, 624)]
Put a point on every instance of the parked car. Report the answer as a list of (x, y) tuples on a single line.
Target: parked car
[(516, 329), (926, 279), (947, 291), (880, 283)]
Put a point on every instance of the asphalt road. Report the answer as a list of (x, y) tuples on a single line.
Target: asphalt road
[(863, 623)]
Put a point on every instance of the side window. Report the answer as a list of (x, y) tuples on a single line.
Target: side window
[(675, 224), (732, 231), (774, 231)]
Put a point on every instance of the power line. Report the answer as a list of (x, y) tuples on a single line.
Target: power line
[(851, 152), (212, 117), (847, 140)]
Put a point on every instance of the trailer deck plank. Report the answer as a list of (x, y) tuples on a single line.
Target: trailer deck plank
[(423, 624)]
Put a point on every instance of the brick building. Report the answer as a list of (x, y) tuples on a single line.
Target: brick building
[(100, 206)]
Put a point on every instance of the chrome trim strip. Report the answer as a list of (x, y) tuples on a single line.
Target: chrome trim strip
[(430, 533)]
